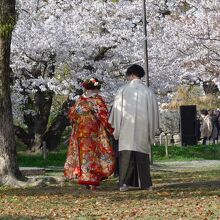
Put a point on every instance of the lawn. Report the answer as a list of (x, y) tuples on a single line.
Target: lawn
[(210, 152), (176, 195), (186, 193)]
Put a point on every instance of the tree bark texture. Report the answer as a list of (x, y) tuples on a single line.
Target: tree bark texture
[(8, 159), (43, 103), (54, 133)]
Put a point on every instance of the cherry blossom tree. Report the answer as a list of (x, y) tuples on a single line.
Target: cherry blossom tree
[(195, 36), (57, 44)]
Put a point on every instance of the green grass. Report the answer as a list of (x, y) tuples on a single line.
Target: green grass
[(53, 159), (210, 152), (199, 152)]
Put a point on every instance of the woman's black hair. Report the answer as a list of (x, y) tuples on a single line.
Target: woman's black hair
[(136, 70)]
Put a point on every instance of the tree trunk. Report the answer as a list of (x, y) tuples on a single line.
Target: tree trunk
[(8, 159), (23, 136), (53, 135), (43, 102)]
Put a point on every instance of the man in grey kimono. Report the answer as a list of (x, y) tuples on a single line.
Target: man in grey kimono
[(135, 119)]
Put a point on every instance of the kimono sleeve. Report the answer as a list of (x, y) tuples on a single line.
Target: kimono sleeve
[(72, 112), (116, 113), (153, 115), (102, 114)]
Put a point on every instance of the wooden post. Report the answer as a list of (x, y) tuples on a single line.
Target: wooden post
[(144, 18), (44, 150), (166, 144)]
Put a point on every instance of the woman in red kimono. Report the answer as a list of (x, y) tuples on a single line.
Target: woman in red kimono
[(90, 157)]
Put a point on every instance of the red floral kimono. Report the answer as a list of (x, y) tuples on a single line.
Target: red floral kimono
[(90, 156)]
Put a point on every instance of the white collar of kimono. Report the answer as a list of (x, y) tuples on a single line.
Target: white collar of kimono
[(90, 93), (136, 81)]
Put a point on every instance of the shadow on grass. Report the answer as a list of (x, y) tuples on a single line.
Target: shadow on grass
[(193, 186), (110, 191), (168, 175), (167, 184), (9, 217)]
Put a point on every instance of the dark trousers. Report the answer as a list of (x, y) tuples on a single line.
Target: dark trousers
[(134, 169)]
